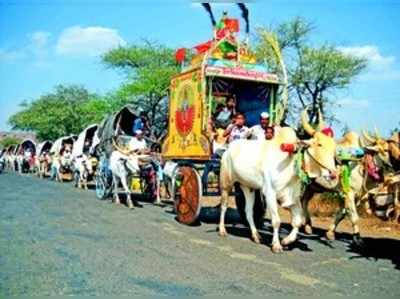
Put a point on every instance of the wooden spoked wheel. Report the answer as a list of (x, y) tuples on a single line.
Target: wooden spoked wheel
[(188, 195)]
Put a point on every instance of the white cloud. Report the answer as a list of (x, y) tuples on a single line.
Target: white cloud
[(371, 53), (35, 48), (380, 67), (349, 102), (88, 41), (39, 39)]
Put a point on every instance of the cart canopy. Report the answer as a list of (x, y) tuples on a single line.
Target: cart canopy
[(28, 145), (44, 146), (86, 135), (252, 97), (119, 123), (60, 142)]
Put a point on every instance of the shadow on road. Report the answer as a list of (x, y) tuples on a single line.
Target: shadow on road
[(373, 248)]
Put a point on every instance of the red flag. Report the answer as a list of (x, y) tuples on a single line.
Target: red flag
[(232, 25), (201, 48), (180, 55)]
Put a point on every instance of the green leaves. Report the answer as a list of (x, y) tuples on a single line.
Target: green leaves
[(67, 110), (148, 68), (9, 140), (315, 73)]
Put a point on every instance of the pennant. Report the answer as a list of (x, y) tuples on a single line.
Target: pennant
[(201, 48), (227, 47), (232, 25), (180, 55)]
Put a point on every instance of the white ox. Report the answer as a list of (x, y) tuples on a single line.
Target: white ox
[(265, 166), (125, 164), (83, 169), (43, 163), (10, 161)]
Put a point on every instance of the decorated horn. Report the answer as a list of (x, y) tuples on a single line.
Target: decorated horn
[(368, 137), (362, 143), (377, 134), (306, 124)]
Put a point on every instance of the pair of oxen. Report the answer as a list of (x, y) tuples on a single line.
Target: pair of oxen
[(288, 172)]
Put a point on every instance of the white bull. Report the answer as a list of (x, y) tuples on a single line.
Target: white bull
[(43, 163), (122, 165), (265, 166), (9, 159), (83, 169)]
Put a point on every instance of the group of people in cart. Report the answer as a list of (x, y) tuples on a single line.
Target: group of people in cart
[(231, 124)]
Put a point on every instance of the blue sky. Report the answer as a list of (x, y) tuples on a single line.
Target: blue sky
[(48, 42)]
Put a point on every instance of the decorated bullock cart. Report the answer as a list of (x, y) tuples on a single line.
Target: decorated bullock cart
[(211, 73)]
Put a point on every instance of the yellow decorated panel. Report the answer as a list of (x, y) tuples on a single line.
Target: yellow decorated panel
[(185, 139)]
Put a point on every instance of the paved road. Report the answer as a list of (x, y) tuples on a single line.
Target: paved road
[(55, 240)]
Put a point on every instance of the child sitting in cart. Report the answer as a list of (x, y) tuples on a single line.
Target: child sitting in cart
[(269, 133), (237, 129), (224, 114)]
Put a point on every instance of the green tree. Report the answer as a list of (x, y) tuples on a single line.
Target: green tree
[(148, 69), (66, 110), (9, 140), (315, 74)]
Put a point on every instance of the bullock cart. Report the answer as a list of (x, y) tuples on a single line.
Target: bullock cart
[(84, 159), (209, 77), (26, 156), (115, 133), (61, 158), (43, 160)]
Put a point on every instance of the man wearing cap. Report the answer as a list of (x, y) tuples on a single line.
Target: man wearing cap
[(258, 131), (138, 144)]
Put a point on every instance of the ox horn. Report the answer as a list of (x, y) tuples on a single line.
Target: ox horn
[(377, 133), (368, 137), (362, 143), (306, 124), (321, 123), (118, 148)]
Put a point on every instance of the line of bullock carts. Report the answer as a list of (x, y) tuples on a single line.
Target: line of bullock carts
[(194, 159)]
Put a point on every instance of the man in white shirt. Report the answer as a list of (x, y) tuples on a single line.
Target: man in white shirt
[(258, 131), (138, 144)]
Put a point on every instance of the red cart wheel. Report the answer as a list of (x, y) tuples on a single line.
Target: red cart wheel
[(187, 199)]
